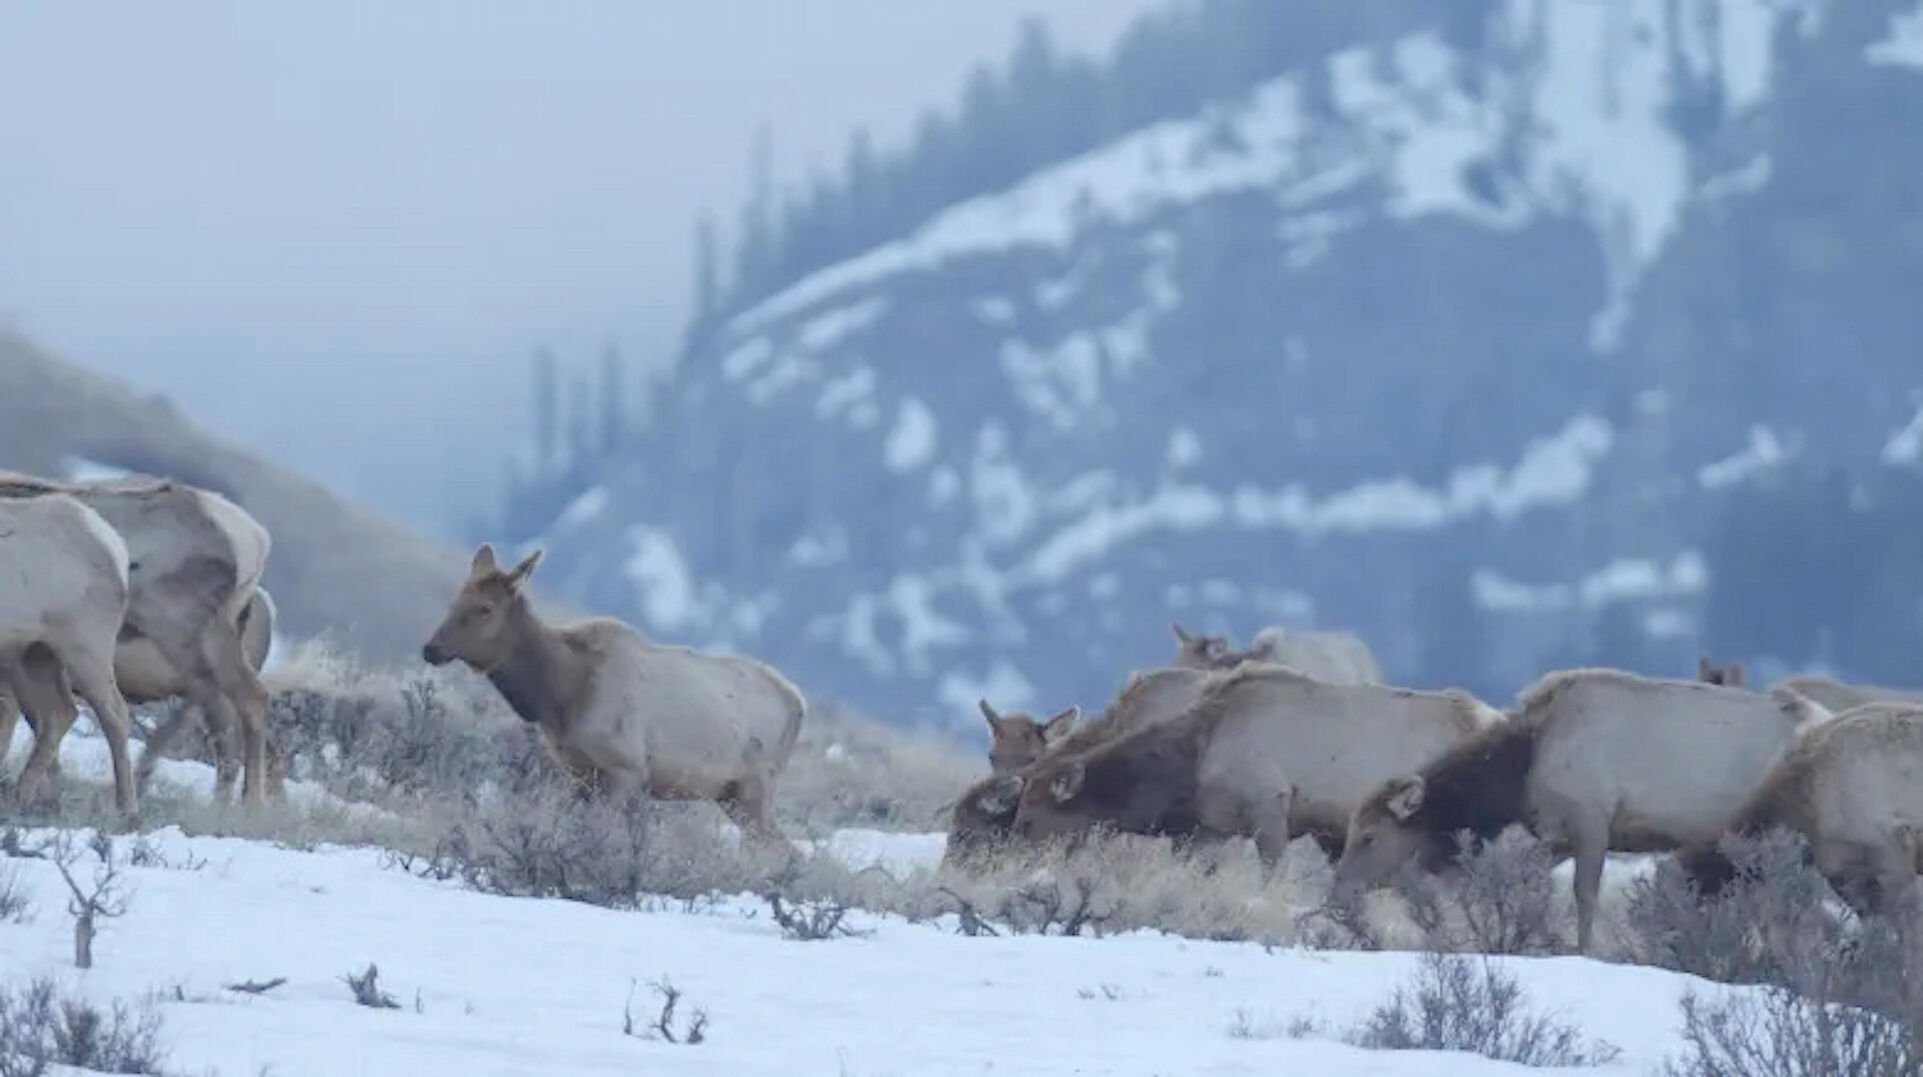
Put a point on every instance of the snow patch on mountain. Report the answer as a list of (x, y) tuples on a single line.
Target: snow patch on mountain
[(1906, 447), (1904, 46), (1762, 453), (911, 443), (1586, 132), (1626, 579)]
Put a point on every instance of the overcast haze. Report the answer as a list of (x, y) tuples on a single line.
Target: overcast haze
[(334, 231)]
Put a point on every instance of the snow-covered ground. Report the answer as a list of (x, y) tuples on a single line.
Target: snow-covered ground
[(493, 985)]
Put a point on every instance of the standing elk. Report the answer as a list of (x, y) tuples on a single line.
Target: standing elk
[(627, 716), (195, 561), (1592, 761), (64, 602)]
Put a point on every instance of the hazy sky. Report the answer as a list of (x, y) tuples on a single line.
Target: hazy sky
[(335, 230)]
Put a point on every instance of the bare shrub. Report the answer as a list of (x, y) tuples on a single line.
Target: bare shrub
[(547, 843), (40, 1028), (1500, 899), (812, 920), (1768, 925), (1458, 1003), (15, 906), (105, 898), (1778, 1033), (694, 1031), (366, 988)]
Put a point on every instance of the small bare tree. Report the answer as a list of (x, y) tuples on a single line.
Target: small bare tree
[(367, 989), (662, 1028), (106, 899)]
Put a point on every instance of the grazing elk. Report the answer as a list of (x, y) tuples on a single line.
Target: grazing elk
[(1850, 787), (1016, 740), (984, 815), (627, 716), (62, 607), (146, 677), (1268, 753), (1592, 760), (1837, 697), (1334, 657), (196, 560)]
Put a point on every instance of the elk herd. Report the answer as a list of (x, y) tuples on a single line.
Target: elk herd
[(138, 590), (1297, 737)]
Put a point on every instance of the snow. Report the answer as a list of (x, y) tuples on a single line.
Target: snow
[(825, 331), (662, 579), (1552, 471), (81, 469), (1005, 501), (1625, 579), (1582, 129), (1906, 447), (746, 358), (1184, 447), (1762, 453), (1062, 383), (84, 757), (923, 627), (1003, 685), (492, 985), (820, 548), (1121, 183), (846, 392), (1904, 46), (587, 507), (993, 309), (911, 443)]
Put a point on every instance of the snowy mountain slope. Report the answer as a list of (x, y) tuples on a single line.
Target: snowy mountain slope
[(1430, 340), (504, 986)]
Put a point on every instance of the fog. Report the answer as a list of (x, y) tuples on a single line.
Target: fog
[(334, 232)]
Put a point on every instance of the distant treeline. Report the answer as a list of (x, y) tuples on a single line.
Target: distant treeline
[(1037, 108)]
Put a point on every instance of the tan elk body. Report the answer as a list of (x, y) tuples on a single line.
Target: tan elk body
[(1593, 760), (984, 815), (196, 560), (1261, 732), (626, 715), (1853, 787), (63, 596), (146, 677)]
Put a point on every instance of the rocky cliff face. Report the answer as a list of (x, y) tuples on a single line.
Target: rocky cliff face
[(1450, 339)]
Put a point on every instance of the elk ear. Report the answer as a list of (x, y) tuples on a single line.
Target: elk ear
[(988, 712), (1405, 796), (1001, 795), (519, 574), (1066, 785), (483, 562), (1180, 636), (1059, 726)]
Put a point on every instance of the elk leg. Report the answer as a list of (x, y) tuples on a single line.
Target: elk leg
[(1272, 829), (9, 721), (746, 805), (49, 707), (1590, 838), (93, 679), (221, 649)]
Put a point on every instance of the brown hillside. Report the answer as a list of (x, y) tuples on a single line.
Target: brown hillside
[(370, 583)]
